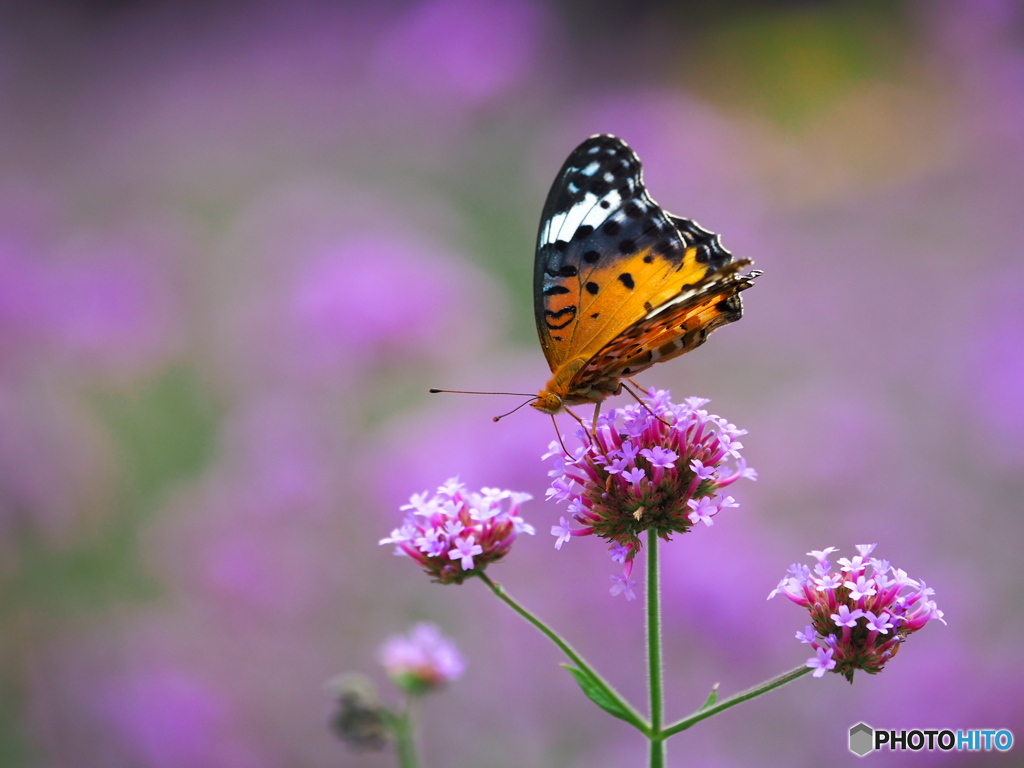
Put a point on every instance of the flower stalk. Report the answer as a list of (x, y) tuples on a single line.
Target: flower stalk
[(714, 706), (655, 672), (628, 713), (405, 735)]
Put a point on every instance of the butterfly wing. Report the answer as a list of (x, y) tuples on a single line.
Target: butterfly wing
[(610, 263), (681, 325)]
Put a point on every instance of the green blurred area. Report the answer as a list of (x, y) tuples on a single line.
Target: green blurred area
[(791, 65), (164, 432)]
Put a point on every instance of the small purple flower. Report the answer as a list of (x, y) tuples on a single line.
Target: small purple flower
[(859, 617), (660, 457), (807, 635), (464, 551), (455, 534), (846, 617), (880, 624), (622, 585), (656, 467), (822, 662), (863, 587), (619, 553), (562, 531), (621, 464), (821, 555), (634, 476), (424, 660), (704, 473), (703, 510)]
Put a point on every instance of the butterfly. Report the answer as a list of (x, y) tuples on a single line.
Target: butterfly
[(618, 283)]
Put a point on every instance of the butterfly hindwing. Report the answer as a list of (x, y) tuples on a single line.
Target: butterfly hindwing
[(678, 327)]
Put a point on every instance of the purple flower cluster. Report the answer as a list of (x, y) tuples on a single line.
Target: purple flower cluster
[(455, 534), (858, 620), (659, 466), (424, 660)]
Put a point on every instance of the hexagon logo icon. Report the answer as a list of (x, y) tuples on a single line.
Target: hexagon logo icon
[(861, 739)]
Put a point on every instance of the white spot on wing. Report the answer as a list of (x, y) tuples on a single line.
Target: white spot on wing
[(586, 212)]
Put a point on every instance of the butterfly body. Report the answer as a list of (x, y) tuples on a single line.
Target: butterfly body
[(619, 284)]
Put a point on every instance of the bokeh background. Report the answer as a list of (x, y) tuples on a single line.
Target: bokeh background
[(239, 241)]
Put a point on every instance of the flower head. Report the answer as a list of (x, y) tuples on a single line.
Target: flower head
[(455, 533), (658, 466), (360, 720), (860, 615), (424, 660)]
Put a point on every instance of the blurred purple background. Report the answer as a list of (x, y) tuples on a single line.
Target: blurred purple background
[(239, 241)]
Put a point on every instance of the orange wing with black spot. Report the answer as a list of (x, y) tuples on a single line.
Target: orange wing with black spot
[(620, 284)]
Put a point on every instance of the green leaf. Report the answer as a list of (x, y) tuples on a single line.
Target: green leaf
[(711, 699), (598, 694)]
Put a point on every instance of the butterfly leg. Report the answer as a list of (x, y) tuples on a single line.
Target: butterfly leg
[(635, 383), (590, 435), (593, 424), (642, 403)]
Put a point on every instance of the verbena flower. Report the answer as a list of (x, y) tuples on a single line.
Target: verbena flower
[(661, 468), (455, 534), (422, 661), (859, 615)]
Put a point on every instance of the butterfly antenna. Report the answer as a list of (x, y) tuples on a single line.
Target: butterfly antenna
[(434, 391), (642, 403), (499, 418)]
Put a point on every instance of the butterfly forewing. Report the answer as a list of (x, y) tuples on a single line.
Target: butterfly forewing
[(710, 252)]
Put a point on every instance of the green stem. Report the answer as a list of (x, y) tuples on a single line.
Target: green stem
[(633, 717), (654, 667), (732, 701), (405, 736)]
